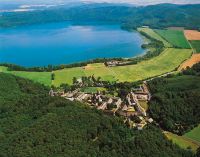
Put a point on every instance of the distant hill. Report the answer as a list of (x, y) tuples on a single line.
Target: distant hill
[(129, 17), (34, 124)]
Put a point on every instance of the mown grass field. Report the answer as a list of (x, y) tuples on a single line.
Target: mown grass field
[(167, 61), (40, 77), (195, 45), (183, 142), (194, 134), (154, 35), (175, 37)]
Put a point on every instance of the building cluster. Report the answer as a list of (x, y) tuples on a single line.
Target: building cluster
[(113, 63), (129, 108)]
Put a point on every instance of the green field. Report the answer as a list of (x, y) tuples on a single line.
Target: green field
[(175, 37), (182, 141), (41, 77), (167, 61), (163, 63), (194, 134), (154, 35), (196, 45), (92, 89)]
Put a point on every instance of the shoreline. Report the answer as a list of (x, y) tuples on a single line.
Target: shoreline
[(84, 63)]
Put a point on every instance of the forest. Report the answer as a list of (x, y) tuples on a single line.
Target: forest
[(175, 100), (34, 124), (129, 17)]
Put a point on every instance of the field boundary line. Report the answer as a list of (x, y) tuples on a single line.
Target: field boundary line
[(171, 46)]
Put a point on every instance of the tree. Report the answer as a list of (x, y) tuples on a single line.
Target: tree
[(198, 152), (65, 87), (74, 80), (52, 76)]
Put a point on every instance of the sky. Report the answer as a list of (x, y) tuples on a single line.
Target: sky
[(135, 2), (148, 2)]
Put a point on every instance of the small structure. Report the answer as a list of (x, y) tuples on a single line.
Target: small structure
[(150, 120), (103, 106), (145, 26), (112, 63), (110, 100), (51, 92)]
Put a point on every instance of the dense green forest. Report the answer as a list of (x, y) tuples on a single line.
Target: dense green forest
[(34, 124), (156, 16), (175, 100)]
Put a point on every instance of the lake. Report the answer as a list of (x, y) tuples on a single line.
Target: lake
[(63, 43)]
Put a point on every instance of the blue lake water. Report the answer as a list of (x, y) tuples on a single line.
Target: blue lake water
[(62, 43)]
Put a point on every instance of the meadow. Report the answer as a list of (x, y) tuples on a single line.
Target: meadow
[(154, 35), (175, 37), (40, 77), (163, 63), (194, 134), (195, 45), (182, 141)]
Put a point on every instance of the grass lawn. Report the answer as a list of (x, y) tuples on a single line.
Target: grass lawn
[(194, 134), (154, 35), (165, 62), (196, 45), (144, 105), (3, 69), (175, 37), (182, 141), (40, 77)]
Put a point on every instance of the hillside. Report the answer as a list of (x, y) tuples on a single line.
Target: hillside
[(156, 16), (34, 124), (175, 101)]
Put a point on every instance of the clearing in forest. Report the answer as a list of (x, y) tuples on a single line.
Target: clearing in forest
[(194, 134), (182, 141)]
